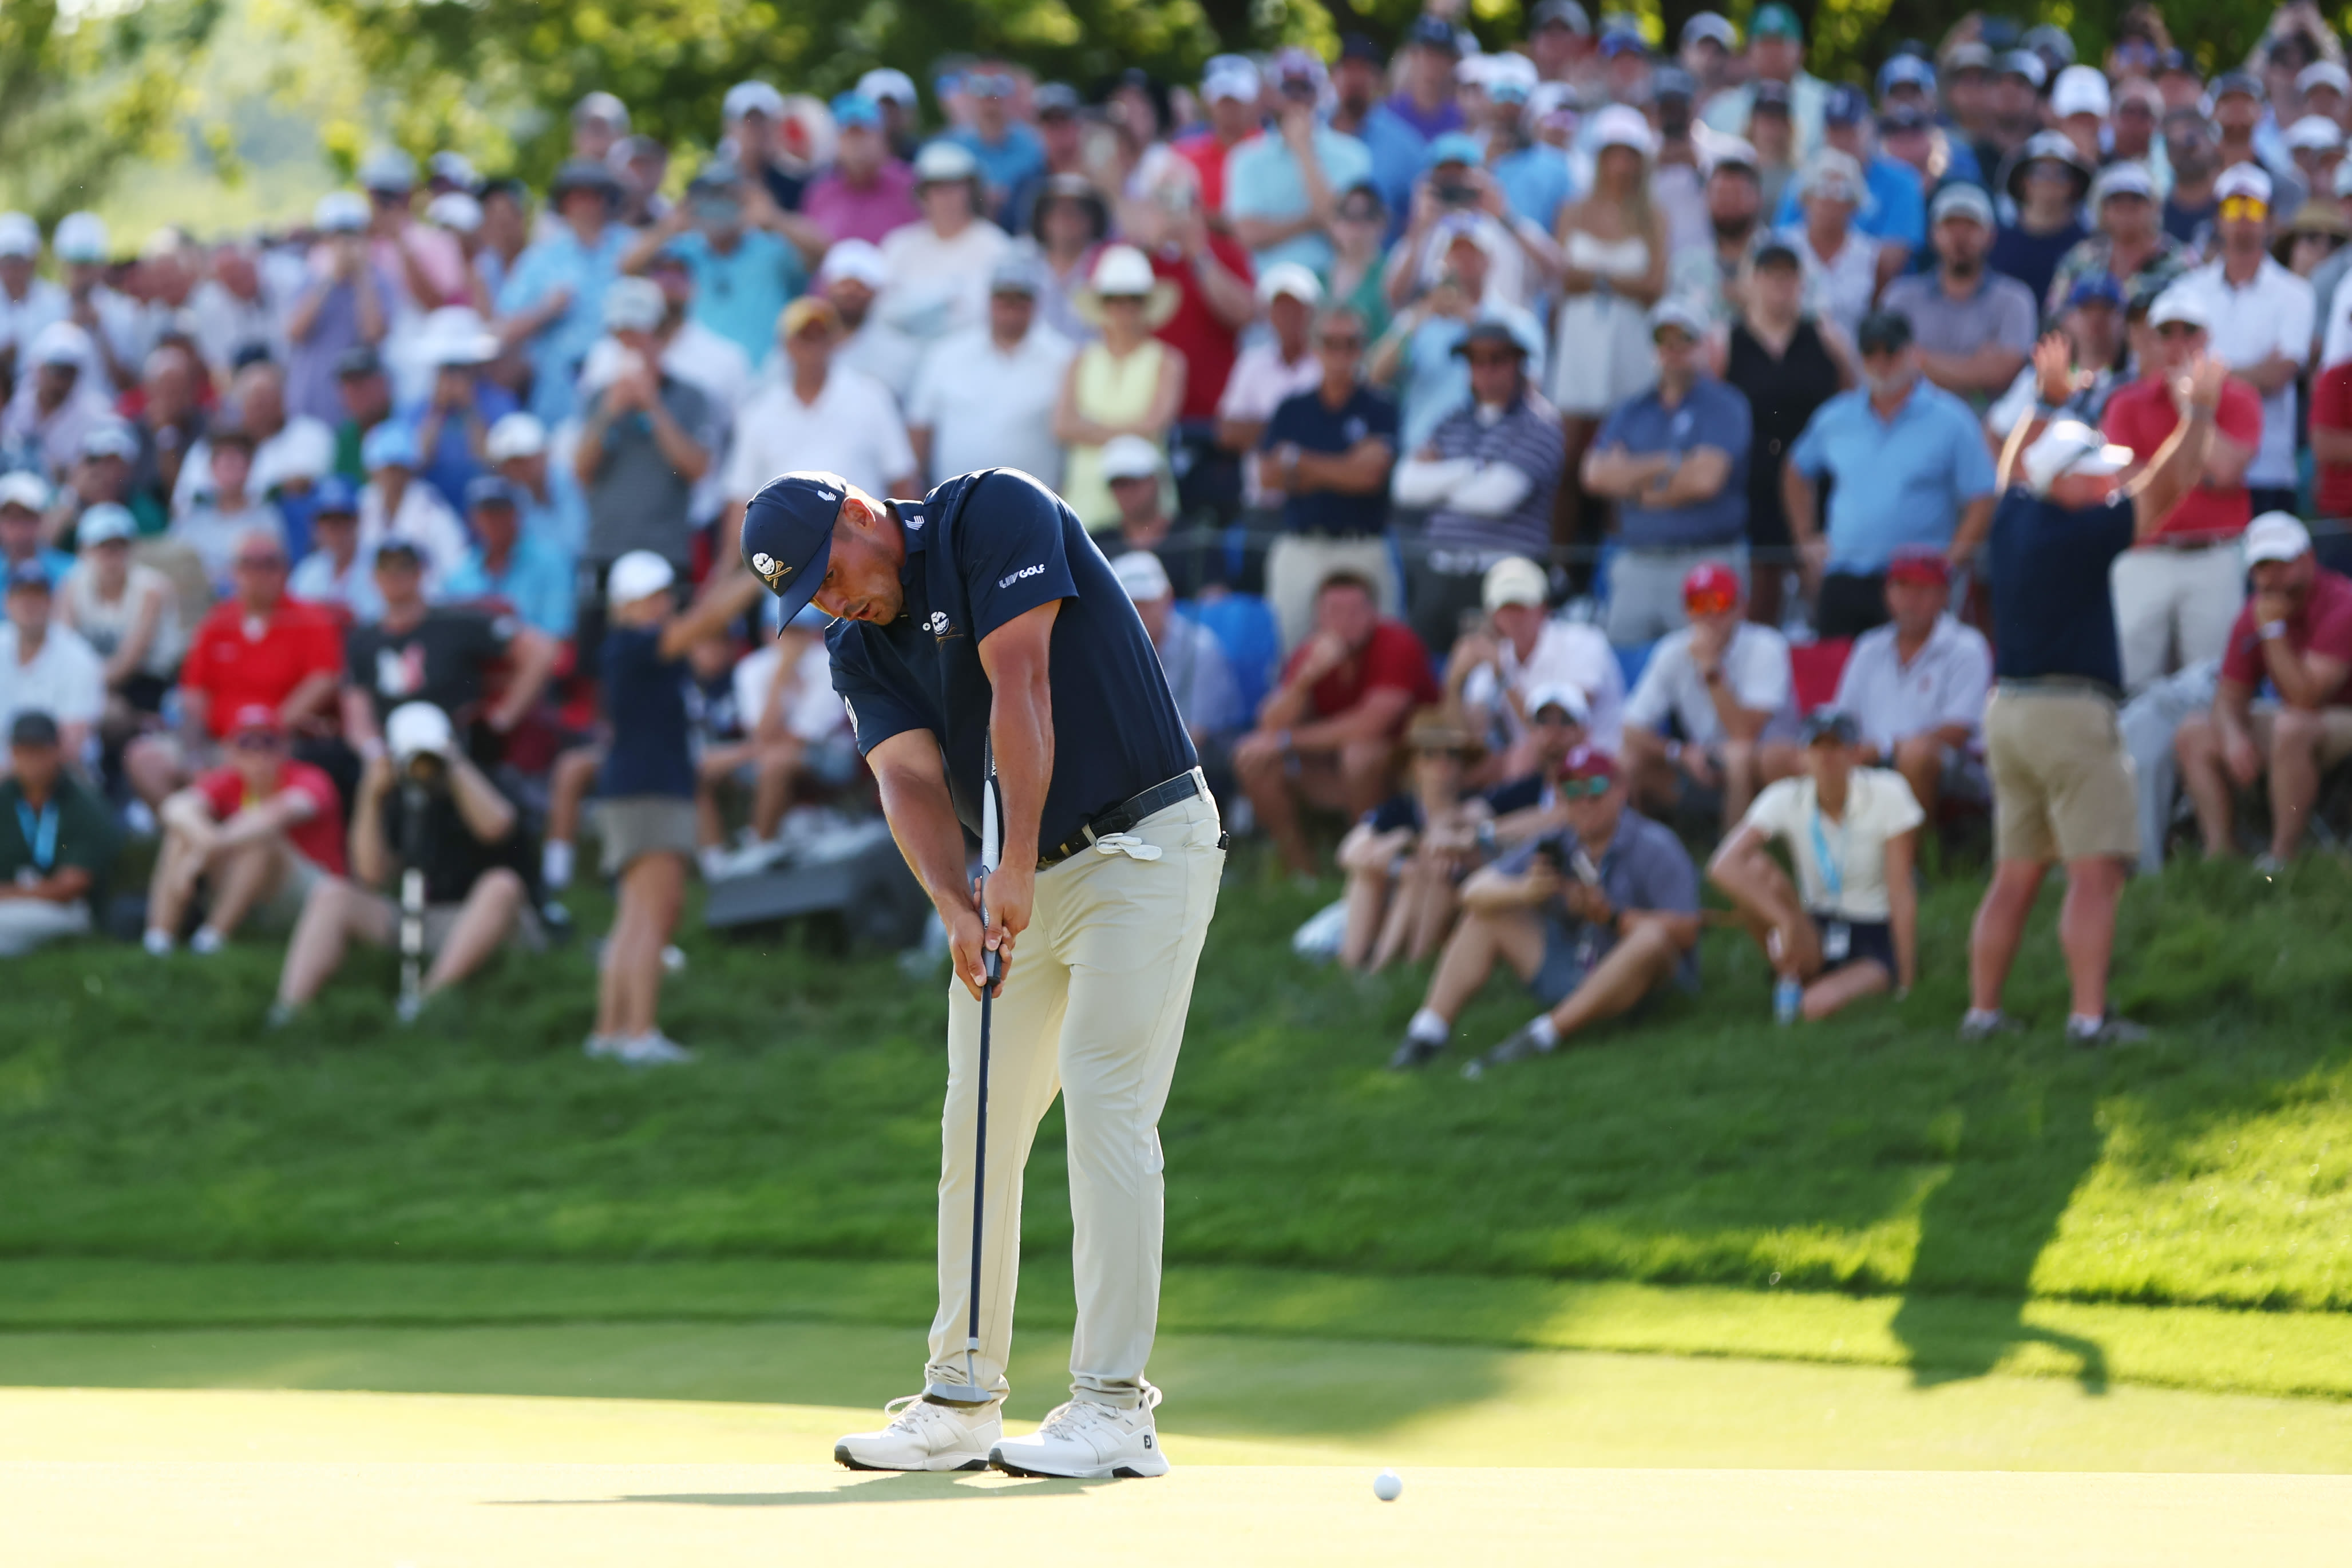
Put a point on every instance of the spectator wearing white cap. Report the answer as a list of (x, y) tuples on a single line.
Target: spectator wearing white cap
[(984, 397), (28, 301), (2259, 318), (1495, 671), (344, 303), (2315, 142), (115, 322), (1127, 381), (427, 264), (1973, 326), (937, 270), (1230, 88), (548, 492), (1674, 460), (1199, 677), (462, 401), (25, 498), (2293, 635), (1136, 471), (551, 305), (1841, 262), (1283, 189), (851, 278), (818, 414), (396, 504), (2080, 103), (1277, 366), (55, 406), (127, 612), (901, 105), (2130, 245), (1456, 195)]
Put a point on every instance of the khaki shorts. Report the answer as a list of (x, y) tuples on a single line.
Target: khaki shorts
[(283, 907), (638, 825), (2062, 781), (2335, 731)]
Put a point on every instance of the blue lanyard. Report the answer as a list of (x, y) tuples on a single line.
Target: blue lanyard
[(1833, 869), (40, 830)]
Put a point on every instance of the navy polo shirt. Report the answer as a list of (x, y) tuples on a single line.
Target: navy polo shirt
[(1304, 420), (1711, 414), (645, 694), (981, 549), (2053, 612)]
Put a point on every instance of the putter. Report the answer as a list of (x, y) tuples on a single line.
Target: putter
[(969, 1391), (412, 904)]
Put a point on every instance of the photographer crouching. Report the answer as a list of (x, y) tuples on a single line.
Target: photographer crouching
[(421, 804)]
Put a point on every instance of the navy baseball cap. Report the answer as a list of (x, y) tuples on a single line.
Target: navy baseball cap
[(335, 495), (788, 535), (1430, 32), (1844, 106), (28, 574), (490, 490), (2097, 289)]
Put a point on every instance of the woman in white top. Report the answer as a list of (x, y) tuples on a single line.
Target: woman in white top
[(127, 611), (1852, 835), (1613, 245)]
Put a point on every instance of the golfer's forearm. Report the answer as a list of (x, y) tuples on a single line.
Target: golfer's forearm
[(922, 819), (1021, 730)]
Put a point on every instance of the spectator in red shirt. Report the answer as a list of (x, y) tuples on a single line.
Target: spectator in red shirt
[(1229, 89), (261, 831), (258, 647), (1215, 301), (2176, 592), (1327, 734), (2331, 440), (2297, 633)]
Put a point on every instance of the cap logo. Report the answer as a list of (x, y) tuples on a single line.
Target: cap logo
[(771, 571)]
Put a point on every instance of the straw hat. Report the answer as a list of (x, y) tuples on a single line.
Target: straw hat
[(1121, 271)]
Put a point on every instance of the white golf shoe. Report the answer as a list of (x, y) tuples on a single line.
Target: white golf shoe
[(1089, 1442), (923, 1435)]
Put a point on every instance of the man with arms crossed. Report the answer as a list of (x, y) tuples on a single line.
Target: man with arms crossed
[(982, 644)]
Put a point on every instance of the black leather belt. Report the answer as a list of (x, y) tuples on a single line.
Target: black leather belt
[(1126, 814)]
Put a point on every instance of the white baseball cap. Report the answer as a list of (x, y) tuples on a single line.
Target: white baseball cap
[(2276, 536), (2182, 305), (1144, 578), (80, 237), (1621, 126), (883, 85), (454, 336), (2314, 132), (942, 162), (339, 212), (1232, 77), (2070, 447), (751, 98), (1289, 278), (1514, 580), (2243, 180), (62, 342), (20, 235), (418, 730), (1562, 696), (103, 524), (633, 305), (388, 170), (2323, 73), (1961, 199), (1128, 458), (22, 487), (639, 575), (858, 259), (2080, 89), (516, 434), (455, 211)]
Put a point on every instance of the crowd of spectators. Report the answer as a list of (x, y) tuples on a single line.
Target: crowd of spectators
[(1520, 455)]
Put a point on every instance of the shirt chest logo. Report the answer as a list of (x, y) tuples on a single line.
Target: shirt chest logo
[(937, 625)]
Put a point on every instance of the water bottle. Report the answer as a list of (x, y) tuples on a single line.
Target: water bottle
[(1787, 999)]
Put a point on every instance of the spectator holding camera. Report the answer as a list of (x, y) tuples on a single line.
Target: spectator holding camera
[(1725, 682), (1593, 920), (260, 832), (447, 655), (735, 246), (646, 440), (1915, 686), (343, 305), (421, 804), (1282, 189), (1849, 926), (1497, 670), (57, 840)]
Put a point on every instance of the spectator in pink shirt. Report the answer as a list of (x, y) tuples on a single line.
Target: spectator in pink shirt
[(869, 193)]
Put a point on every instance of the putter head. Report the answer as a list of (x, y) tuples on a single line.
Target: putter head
[(957, 1394)]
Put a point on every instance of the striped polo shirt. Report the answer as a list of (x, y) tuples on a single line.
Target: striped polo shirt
[(1528, 437)]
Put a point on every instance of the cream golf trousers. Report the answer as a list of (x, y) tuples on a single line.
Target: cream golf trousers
[(1093, 1009)]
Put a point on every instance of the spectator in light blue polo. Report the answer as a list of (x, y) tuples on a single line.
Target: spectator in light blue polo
[(1909, 470), (1283, 189), (1008, 151), (1533, 174), (553, 507), (527, 572), (1776, 53), (1896, 210), (552, 304), (745, 271), (1417, 355), (1906, 87), (1399, 152)]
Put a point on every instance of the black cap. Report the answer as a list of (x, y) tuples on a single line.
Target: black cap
[(1777, 252), (1830, 724), (1883, 332), (1673, 81), (1055, 98), (33, 728), (1357, 47), (1769, 94), (1433, 33), (395, 544), (788, 535), (357, 361), (490, 490)]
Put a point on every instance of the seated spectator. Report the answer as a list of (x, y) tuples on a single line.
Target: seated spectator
[(1136, 471), (23, 497), (397, 504), (448, 655), (57, 841), (1526, 804), (1125, 383), (1282, 185), (53, 409), (128, 614), (1403, 860), (512, 570), (797, 731), (867, 193), (1915, 686), (258, 647), (553, 507), (1487, 477), (1495, 670), (2295, 635), (1849, 926), (1973, 326), (1207, 699), (48, 668), (984, 397), (225, 509), (646, 808), (257, 833), (1326, 453), (1908, 468), (334, 573), (420, 803), (1841, 262), (2177, 595), (1593, 920), (2331, 440), (1269, 370), (1675, 459), (1725, 683), (937, 270), (1326, 733)]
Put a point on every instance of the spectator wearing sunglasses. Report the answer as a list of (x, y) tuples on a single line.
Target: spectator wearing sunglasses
[(2259, 322), (1725, 682)]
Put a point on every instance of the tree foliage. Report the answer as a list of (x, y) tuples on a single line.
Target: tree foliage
[(82, 93)]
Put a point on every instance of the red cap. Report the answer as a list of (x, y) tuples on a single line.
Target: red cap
[(1588, 763), (1920, 566), (1711, 580), (254, 717)]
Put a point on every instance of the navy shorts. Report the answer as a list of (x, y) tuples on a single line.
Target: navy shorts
[(1864, 940)]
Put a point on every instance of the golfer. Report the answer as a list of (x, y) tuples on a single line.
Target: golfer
[(984, 644)]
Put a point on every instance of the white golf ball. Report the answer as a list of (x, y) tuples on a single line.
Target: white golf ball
[(1386, 1486)]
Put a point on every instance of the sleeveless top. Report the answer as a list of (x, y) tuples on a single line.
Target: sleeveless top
[(1625, 258), (1783, 394), (1110, 391), (104, 625)]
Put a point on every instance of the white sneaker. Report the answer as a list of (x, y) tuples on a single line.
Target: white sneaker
[(1085, 1441), (654, 1050), (923, 1435), (158, 943), (599, 1046), (206, 941)]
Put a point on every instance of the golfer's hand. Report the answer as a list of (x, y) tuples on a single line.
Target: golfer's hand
[(1009, 892), (964, 939)]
